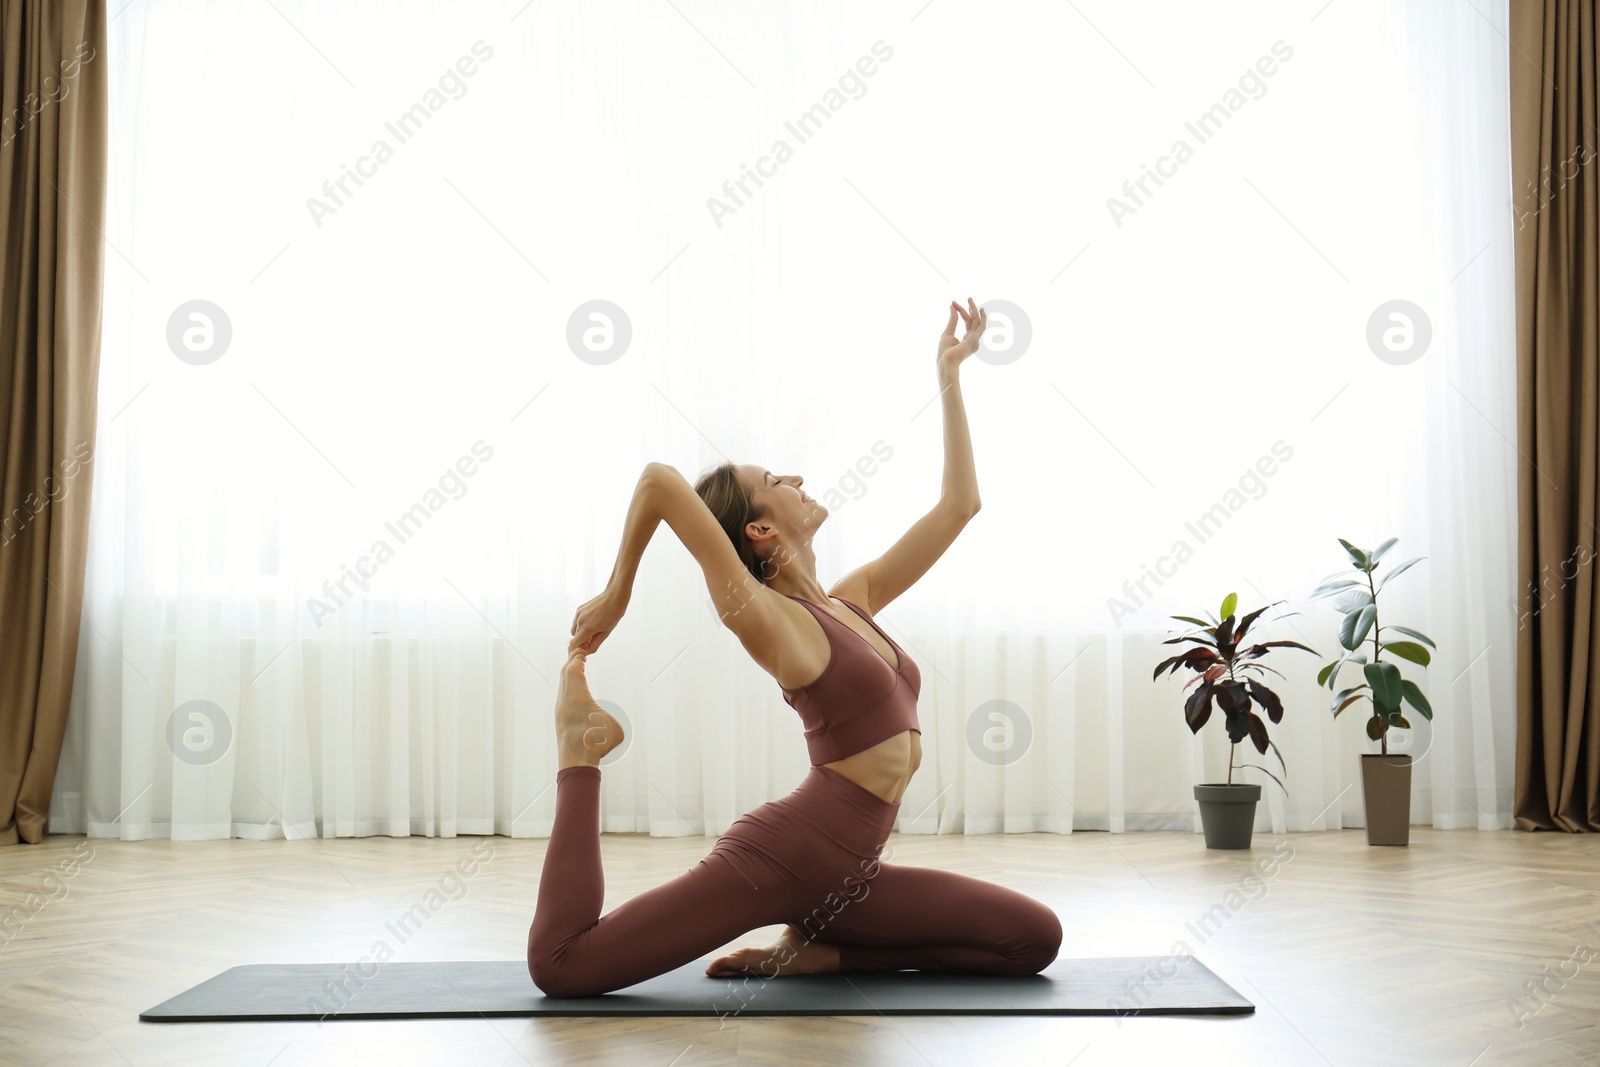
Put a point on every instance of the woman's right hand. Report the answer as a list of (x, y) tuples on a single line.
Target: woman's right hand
[(596, 619), (951, 351)]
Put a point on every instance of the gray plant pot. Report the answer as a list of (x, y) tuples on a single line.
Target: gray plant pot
[(1227, 813), (1386, 791)]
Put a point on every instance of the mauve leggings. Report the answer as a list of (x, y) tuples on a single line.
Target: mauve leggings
[(810, 859)]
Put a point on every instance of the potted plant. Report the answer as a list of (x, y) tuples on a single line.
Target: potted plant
[(1385, 776), (1223, 666)]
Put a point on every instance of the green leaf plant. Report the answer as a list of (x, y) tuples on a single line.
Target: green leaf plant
[(1223, 666), (1357, 600)]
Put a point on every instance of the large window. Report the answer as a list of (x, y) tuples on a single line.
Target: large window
[(403, 297)]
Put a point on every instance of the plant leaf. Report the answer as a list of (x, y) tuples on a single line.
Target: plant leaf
[(1259, 667), (1278, 754), (1351, 600), (1347, 703), (1407, 565), (1414, 697), (1197, 709), (1409, 650), (1195, 659), (1357, 556), (1283, 644), (1424, 638), (1375, 728), (1347, 657), (1229, 602), (1329, 588), (1244, 623), (1355, 626), (1385, 681), (1267, 699), (1378, 552), (1238, 728), (1268, 773), (1327, 672), (1258, 732), (1225, 638), (1232, 697), (1190, 618)]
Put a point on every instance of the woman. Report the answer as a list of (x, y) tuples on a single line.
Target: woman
[(809, 860)]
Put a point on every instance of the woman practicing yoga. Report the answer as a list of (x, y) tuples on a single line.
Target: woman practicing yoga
[(809, 860)]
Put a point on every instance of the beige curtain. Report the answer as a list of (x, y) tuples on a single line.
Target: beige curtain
[(52, 210), (1555, 150)]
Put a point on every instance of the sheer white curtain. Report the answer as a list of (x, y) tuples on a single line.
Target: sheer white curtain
[(346, 507)]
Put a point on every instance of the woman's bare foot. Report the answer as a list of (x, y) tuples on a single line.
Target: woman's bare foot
[(792, 953), (585, 731)]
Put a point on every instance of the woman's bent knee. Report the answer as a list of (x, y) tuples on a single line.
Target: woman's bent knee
[(1044, 941), (558, 985), (555, 980)]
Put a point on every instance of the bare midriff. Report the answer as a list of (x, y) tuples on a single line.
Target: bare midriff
[(885, 769)]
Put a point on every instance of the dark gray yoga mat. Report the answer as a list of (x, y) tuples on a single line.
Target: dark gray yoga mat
[(1128, 985)]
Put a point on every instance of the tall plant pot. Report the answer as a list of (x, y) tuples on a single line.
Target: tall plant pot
[(1227, 813), (1386, 790)]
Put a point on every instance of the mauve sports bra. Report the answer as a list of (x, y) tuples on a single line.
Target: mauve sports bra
[(859, 699)]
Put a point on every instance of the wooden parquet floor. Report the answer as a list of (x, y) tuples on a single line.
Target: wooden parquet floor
[(1469, 948)]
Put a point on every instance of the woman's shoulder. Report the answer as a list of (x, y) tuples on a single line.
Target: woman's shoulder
[(795, 648)]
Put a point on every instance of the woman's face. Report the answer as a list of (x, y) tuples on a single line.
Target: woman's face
[(783, 502)]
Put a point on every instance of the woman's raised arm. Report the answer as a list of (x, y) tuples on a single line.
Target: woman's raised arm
[(595, 619), (744, 604), (875, 584)]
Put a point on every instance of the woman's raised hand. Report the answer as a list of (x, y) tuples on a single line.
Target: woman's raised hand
[(596, 619), (952, 351)]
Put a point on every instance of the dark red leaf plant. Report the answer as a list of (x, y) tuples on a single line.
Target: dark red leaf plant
[(1229, 673)]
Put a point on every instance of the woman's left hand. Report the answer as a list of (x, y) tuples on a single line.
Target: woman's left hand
[(595, 620), (951, 351)]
